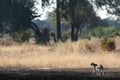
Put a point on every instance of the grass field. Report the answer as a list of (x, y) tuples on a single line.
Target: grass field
[(59, 56)]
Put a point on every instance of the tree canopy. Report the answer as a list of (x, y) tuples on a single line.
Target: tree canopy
[(16, 14), (77, 12), (112, 6)]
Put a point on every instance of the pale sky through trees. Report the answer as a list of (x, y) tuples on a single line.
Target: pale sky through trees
[(102, 13), (45, 11)]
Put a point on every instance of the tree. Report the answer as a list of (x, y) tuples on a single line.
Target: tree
[(58, 20), (112, 6), (58, 3), (77, 12), (17, 14)]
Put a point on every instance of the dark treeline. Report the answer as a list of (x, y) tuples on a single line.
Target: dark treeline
[(16, 17)]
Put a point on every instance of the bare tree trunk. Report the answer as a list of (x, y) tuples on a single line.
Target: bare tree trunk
[(58, 21), (76, 33), (72, 26), (72, 32), (37, 31)]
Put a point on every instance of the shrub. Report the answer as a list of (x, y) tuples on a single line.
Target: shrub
[(88, 47), (108, 45), (109, 31), (22, 35)]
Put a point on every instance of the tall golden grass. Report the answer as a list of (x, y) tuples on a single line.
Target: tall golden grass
[(60, 55)]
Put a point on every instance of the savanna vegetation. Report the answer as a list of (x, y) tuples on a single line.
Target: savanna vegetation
[(79, 36), (59, 56)]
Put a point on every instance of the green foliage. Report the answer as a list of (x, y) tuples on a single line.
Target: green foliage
[(22, 35), (104, 31), (108, 45), (52, 16), (16, 15), (76, 13)]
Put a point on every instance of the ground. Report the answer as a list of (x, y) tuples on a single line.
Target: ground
[(55, 59), (57, 74)]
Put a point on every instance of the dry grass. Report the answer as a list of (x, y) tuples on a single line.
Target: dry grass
[(60, 55)]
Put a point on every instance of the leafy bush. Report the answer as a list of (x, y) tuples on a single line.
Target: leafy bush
[(22, 35), (103, 31), (108, 45)]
